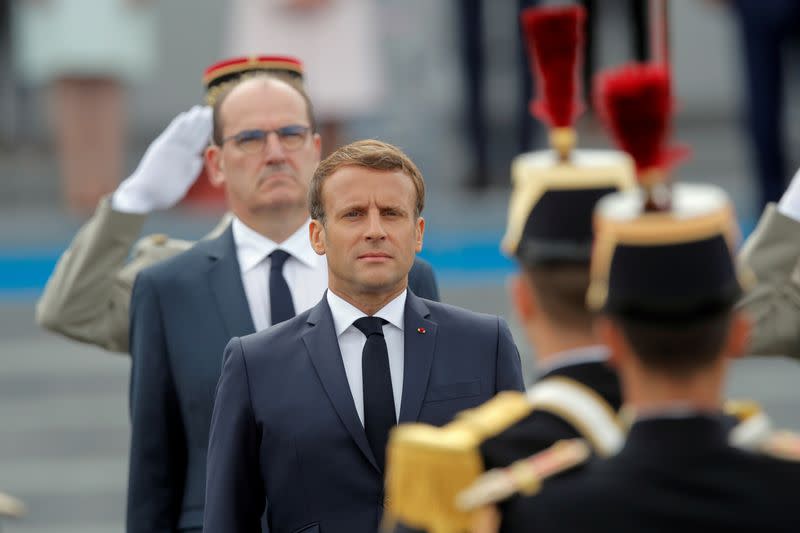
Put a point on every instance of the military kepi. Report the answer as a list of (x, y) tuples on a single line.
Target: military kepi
[(550, 212), (663, 252), (220, 75)]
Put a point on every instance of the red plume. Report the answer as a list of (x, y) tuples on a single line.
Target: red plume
[(554, 39), (635, 102)]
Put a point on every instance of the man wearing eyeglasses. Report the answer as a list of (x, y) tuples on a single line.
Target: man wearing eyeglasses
[(260, 271)]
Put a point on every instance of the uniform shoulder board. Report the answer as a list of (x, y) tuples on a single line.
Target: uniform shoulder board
[(428, 466), (753, 423), (158, 244), (524, 476), (784, 445)]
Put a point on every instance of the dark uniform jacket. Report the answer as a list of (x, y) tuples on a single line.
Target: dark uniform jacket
[(672, 475), (541, 429)]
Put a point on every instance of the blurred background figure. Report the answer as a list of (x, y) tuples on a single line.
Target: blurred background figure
[(476, 54), (7, 85), (766, 31), (85, 52), (636, 26), (472, 51), (337, 40)]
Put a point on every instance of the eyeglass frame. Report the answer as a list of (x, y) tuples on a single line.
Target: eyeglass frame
[(300, 129)]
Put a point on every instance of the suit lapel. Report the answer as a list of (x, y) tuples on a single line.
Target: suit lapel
[(323, 349), (225, 281), (420, 341)]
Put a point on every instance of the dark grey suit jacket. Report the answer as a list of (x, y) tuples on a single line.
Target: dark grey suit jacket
[(183, 313), (285, 428)]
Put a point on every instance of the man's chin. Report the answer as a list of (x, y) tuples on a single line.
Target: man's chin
[(381, 284), (280, 202)]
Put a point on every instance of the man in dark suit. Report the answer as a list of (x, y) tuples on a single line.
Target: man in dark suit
[(259, 271), (303, 410)]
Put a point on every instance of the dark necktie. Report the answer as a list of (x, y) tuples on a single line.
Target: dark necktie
[(280, 299), (379, 415)]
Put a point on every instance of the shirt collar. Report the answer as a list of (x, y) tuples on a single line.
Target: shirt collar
[(344, 313), (594, 353), (252, 247)]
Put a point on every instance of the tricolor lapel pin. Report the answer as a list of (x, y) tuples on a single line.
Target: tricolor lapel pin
[(421, 331)]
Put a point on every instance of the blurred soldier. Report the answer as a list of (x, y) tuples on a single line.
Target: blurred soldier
[(549, 234), (772, 254), (664, 279), (88, 294)]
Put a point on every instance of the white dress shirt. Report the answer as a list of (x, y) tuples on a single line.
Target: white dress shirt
[(352, 341), (306, 272)]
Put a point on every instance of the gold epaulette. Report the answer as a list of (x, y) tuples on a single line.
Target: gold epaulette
[(783, 445), (754, 425), (742, 409), (11, 507), (428, 466), (524, 476)]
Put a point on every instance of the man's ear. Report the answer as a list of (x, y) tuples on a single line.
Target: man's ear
[(316, 232), (213, 162), (738, 336), (523, 297), (608, 333), (420, 232)]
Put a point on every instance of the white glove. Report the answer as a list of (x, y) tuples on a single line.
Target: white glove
[(169, 167), (789, 204)]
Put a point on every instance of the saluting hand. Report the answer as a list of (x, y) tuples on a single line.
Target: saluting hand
[(170, 165)]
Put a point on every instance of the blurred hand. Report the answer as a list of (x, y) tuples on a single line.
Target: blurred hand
[(169, 167)]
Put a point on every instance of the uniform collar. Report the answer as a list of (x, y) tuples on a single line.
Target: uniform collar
[(593, 353), (252, 247), (344, 313), (669, 434)]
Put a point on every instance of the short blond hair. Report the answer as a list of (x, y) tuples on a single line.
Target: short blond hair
[(371, 154)]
